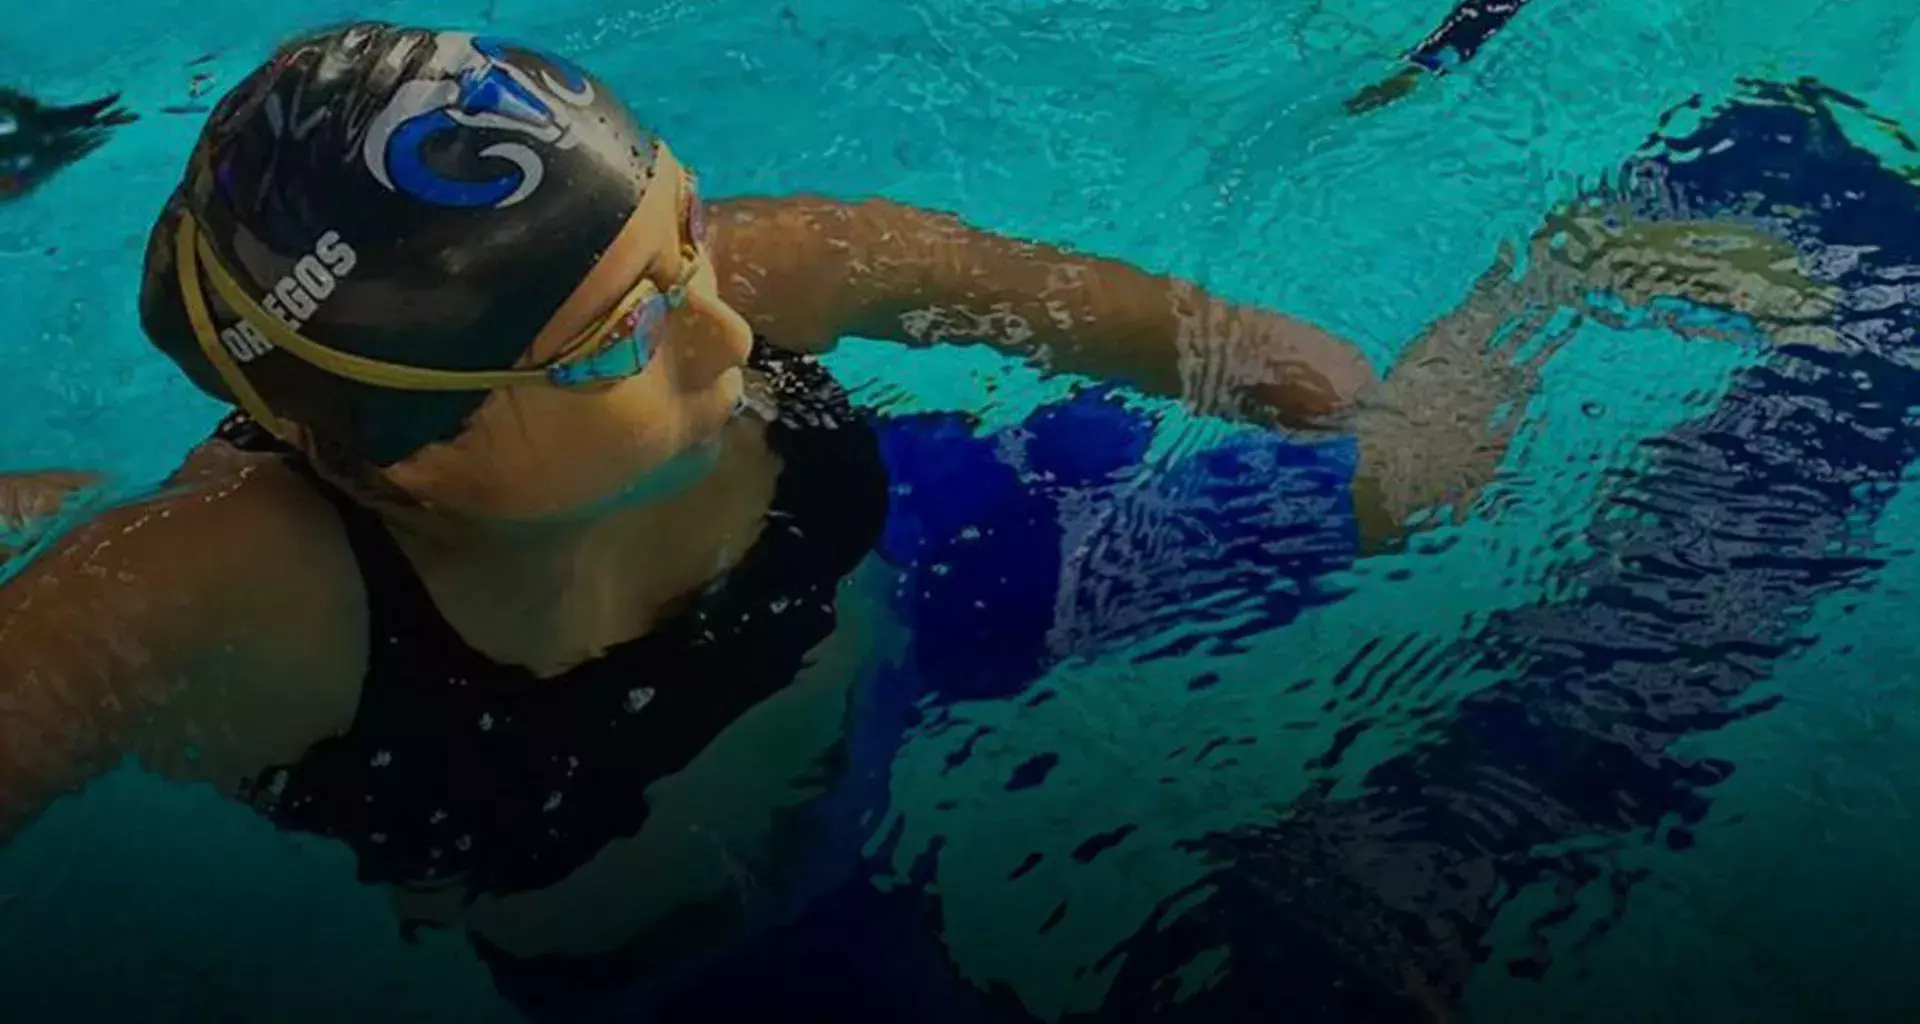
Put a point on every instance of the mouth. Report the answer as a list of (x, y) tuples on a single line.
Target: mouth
[(753, 397)]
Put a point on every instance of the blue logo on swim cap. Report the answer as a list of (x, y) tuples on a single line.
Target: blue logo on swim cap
[(491, 93), (495, 48)]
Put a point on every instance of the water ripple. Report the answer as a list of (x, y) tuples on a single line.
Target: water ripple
[(1707, 557)]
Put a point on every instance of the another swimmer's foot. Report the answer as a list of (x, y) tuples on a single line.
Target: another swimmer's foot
[(1378, 95), (37, 140), (104, 112)]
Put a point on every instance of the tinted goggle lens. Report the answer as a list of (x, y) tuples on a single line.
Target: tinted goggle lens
[(629, 344), (625, 352)]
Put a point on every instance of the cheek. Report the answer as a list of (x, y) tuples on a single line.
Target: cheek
[(514, 432), (707, 338), (558, 451), (645, 421)]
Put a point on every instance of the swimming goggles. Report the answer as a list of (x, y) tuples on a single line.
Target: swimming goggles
[(614, 347)]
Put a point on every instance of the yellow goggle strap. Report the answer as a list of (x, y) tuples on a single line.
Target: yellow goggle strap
[(195, 254), (201, 318), (346, 364)]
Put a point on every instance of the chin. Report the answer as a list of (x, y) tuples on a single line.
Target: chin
[(731, 385), (722, 400)]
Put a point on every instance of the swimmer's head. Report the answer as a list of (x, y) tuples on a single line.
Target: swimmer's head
[(454, 260)]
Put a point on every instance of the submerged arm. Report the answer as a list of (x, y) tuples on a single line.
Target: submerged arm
[(1437, 429)]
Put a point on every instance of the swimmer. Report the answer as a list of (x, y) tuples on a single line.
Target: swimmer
[(37, 141), (517, 568), (1461, 34)]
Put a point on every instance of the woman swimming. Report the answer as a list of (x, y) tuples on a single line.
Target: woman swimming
[(517, 569)]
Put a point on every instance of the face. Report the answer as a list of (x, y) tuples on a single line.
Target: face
[(536, 451)]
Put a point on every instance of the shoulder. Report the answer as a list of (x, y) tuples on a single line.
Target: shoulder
[(226, 605), (253, 496), (250, 526)]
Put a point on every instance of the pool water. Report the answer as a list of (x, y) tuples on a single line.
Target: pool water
[(1635, 747)]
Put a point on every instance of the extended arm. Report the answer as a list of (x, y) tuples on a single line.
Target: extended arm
[(807, 270)]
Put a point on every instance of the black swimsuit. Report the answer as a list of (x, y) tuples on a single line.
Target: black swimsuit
[(457, 768)]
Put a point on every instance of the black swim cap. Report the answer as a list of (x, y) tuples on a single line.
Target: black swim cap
[(419, 197)]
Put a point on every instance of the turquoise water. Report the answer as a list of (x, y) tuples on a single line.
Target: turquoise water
[(1205, 139)]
